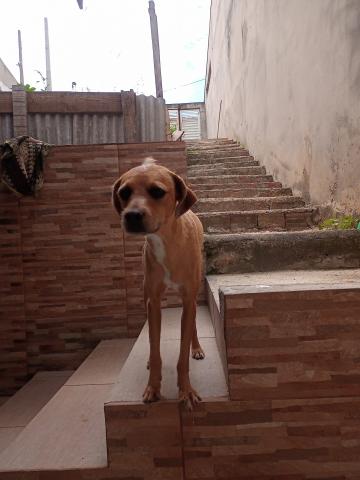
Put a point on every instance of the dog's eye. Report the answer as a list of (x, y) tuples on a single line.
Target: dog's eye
[(156, 192), (125, 193)]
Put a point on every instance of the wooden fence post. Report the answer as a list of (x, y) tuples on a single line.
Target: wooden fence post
[(128, 101), (19, 102)]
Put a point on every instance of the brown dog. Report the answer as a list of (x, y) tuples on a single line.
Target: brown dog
[(155, 202)]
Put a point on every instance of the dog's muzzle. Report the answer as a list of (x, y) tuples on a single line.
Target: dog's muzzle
[(134, 221)]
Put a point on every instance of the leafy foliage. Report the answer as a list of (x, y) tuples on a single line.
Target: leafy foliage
[(346, 222)]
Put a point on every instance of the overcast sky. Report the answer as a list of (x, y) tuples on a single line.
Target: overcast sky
[(107, 45)]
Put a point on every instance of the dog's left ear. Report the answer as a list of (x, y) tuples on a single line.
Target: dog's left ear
[(115, 196), (184, 196)]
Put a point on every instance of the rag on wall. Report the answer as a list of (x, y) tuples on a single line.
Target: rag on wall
[(22, 164)]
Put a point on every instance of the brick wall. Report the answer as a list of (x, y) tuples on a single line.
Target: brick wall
[(69, 276)]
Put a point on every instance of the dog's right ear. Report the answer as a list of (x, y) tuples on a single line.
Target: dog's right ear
[(115, 196)]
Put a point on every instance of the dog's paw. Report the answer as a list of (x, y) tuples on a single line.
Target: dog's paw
[(189, 398), (198, 353), (151, 394)]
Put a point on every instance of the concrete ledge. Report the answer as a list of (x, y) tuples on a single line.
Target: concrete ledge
[(261, 252)]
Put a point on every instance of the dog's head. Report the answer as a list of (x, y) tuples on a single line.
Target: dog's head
[(146, 197)]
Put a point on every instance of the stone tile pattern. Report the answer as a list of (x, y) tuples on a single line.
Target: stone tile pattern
[(12, 324), (144, 441), (293, 344), (73, 258), (293, 374), (69, 278), (297, 439)]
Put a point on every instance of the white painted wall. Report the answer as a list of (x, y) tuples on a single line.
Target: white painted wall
[(287, 73), (7, 79)]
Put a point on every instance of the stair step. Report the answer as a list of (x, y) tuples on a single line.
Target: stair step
[(270, 251), (22, 407), (243, 192), (291, 350), (217, 153), (241, 221), (147, 441), (281, 278), (213, 145), (193, 148), (134, 376), (239, 170), (69, 431), (209, 141), (234, 186), (240, 161), (224, 179), (247, 204)]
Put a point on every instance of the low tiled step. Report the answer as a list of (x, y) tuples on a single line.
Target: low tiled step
[(240, 221), (271, 251), (291, 345), (247, 204), (148, 441), (69, 431), (210, 172), (243, 192), (212, 162), (225, 179), (22, 407), (292, 340), (234, 186)]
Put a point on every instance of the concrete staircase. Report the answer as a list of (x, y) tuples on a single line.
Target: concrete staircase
[(237, 195), (253, 223)]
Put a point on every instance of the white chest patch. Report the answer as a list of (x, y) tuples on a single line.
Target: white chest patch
[(159, 251)]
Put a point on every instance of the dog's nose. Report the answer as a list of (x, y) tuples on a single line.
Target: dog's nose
[(134, 221)]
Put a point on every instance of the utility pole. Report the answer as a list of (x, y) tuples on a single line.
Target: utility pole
[(156, 49), (47, 57), (20, 64)]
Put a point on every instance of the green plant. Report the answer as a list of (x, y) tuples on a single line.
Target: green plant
[(345, 222), (28, 88), (173, 128)]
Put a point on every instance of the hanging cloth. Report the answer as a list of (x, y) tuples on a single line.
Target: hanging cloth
[(22, 164)]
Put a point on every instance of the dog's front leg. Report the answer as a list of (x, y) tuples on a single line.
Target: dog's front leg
[(187, 394), (153, 306)]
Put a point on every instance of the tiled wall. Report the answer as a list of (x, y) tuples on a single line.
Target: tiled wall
[(13, 367), (293, 344), (272, 440), (68, 275)]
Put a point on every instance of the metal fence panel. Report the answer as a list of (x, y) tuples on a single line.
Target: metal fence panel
[(81, 128), (151, 118), (6, 126)]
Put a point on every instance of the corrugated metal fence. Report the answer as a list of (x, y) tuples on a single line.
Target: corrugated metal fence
[(151, 115), (76, 129), (62, 118)]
